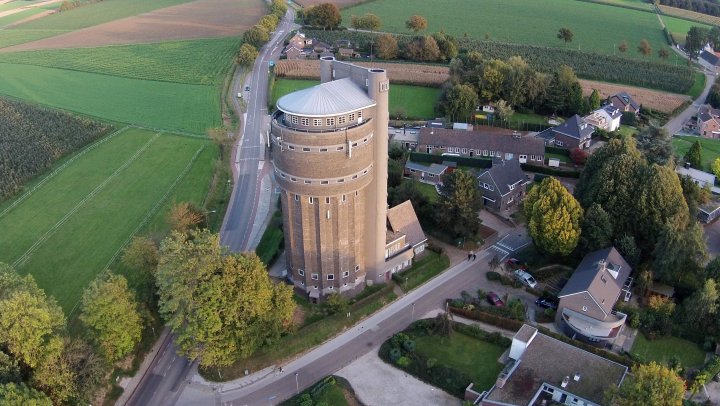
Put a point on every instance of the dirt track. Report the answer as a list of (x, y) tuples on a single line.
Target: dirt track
[(198, 19)]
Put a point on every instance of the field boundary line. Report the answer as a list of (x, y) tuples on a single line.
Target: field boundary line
[(150, 213), (25, 256), (59, 169)]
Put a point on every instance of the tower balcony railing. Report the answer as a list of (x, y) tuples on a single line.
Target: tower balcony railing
[(278, 119)]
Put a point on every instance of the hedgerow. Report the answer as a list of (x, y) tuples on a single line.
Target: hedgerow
[(32, 138)]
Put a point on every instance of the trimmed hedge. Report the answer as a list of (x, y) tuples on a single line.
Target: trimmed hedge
[(495, 320), (480, 334), (557, 150), (550, 171), (460, 160)]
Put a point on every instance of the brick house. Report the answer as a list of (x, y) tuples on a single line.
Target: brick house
[(404, 239), (503, 185), (575, 132), (708, 122), (482, 142), (585, 311), (624, 102)]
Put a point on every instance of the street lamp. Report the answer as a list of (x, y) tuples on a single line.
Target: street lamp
[(412, 314), (405, 288), (297, 384)]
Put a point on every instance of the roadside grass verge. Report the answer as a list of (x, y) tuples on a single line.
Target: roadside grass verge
[(662, 350), (305, 338), (422, 270), (698, 85), (268, 248)]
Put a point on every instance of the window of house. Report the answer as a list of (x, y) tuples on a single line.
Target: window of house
[(511, 187), (331, 277), (356, 193), (301, 272), (293, 179), (331, 287), (327, 200), (346, 274), (297, 198), (302, 283), (464, 150), (365, 141), (324, 182), (357, 267), (354, 144), (323, 149), (492, 153), (291, 147), (305, 121), (307, 182), (317, 122), (340, 180), (331, 121), (341, 120), (344, 198), (431, 175), (315, 276), (498, 154), (311, 200), (485, 153), (315, 287), (351, 116), (306, 149), (354, 176), (359, 115), (340, 148)]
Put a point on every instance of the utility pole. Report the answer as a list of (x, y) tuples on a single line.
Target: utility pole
[(297, 384)]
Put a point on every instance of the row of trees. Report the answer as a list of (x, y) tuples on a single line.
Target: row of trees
[(698, 37), (259, 34), (644, 48)]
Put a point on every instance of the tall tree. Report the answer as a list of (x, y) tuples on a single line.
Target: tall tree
[(694, 155), (9, 369), (554, 217), (716, 167), (656, 144), (447, 44), (660, 198), (644, 48), (695, 41), (504, 110), (460, 204), (54, 376), (12, 394), (369, 22), (680, 252), (565, 34), (387, 46), (88, 367), (515, 87), (625, 243), (269, 22), (663, 53), (141, 254), (184, 216), (493, 76), (422, 48), (458, 102), (220, 306), (596, 229), (256, 36), (326, 15), (247, 55), (651, 384), (416, 23), (110, 312), (702, 306), (694, 194), (594, 100)]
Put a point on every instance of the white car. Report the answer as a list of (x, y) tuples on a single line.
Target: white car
[(525, 278)]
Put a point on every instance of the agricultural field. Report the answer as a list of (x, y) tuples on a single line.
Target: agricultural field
[(689, 15), (189, 20), (678, 27), (174, 106), (201, 62), (596, 27), (654, 99), (407, 73), (121, 185), (710, 149), (414, 101), (637, 4)]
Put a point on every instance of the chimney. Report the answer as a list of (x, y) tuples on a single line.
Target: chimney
[(602, 264), (565, 382)]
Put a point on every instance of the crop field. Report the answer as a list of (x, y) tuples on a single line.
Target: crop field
[(190, 20), (596, 27), (173, 106), (413, 101), (654, 99), (200, 62), (407, 73), (689, 15), (710, 149), (106, 194), (637, 4)]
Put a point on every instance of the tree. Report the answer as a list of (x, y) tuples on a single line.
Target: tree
[(269, 22), (424, 209), (278, 8), (565, 94), (517, 89), (565, 34), (644, 47), (623, 47), (492, 79), (247, 55), (184, 216), (220, 306), (458, 102), (367, 22), (578, 156), (663, 53), (680, 252), (423, 49), (504, 110), (594, 100), (337, 303), (713, 37), (659, 198), (625, 243), (694, 155), (110, 312), (12, 394), (716, 167), (596, 229), (447, 45), (702, 306), (554, 217), (387, 46), (256, 36), (652, 384), (713, 97), (459, 205), (54, 376), (395, 172), (89, 369), (141, 254), (694, 194), (416, 23), (656, 144), (695, 41), (326, 15), (9, 369)]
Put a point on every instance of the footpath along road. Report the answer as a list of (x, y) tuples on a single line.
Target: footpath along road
[(355, 342)]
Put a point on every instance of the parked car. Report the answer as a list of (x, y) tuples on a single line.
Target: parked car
[(247, 88), (525, 278), (514, 262), (494, 299), (546, 303)]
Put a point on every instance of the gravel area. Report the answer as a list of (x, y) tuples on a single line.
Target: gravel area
[(377, 383)]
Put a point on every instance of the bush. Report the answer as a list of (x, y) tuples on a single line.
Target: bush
[(493, 276), (395, 354), (578, 156), (494, 319), (550, 171), (409, 345), (403, 362), (477, 332), (557, 150)]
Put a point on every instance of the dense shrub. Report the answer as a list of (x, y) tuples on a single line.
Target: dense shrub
[(550, 171), (461, 160), (477, 332), (557, 150), (494, 319), (32, 138), (493, 276)]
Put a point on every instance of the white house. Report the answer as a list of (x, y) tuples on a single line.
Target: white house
[(605, 118)]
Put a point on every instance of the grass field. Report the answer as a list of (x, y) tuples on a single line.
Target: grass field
[(596, 27), (70, 227), (710, 148), (174, 106), (19, 16), (195, 61), (423, 270), (663, 349), (414, 101), (477, 358)]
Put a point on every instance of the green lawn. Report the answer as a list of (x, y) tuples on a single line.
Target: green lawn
[(561, 157), (203, 62), (627, 130), (710, 148), (662, 349), (413, 101), (173, 106), (477, 358), (20, 15), (681, 26), (70, 228), (423, 270), (271, 239), (698, 85), (331, 395), (596, 27), (427, 189)]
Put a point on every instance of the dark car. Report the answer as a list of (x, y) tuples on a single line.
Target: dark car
[(247, 88), (546, 303), (514, 262), (494, 299)]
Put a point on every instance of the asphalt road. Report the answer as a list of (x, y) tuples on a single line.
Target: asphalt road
[(164, 380), (675, 124)]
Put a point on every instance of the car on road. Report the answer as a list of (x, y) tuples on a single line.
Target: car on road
[(546, 303), (494, 299), (247, 88), (525, 278)]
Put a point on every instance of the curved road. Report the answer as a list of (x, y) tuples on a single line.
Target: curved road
[(164, 380)]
